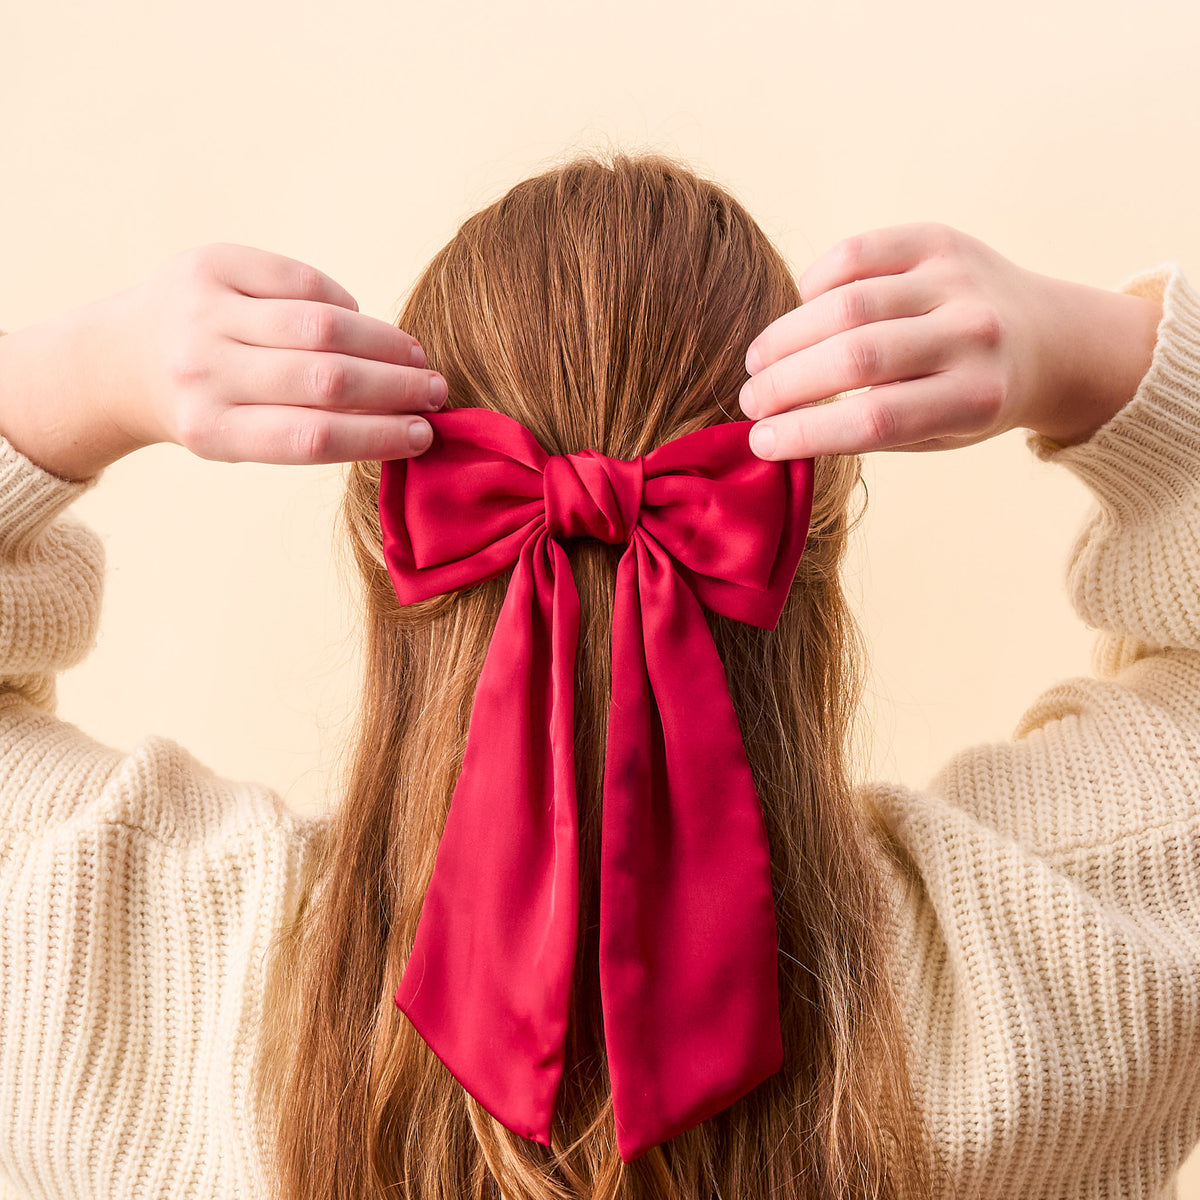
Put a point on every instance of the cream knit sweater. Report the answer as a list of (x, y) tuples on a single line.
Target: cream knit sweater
[(1047, 889)]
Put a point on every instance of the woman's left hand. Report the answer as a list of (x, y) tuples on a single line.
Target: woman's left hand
[(234, 353), (239, 354)]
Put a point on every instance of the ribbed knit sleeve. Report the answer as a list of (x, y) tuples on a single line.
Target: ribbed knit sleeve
[(1048, 888), (139, 893), (50, 601)]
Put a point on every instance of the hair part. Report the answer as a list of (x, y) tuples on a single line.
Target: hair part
[(605, 303)]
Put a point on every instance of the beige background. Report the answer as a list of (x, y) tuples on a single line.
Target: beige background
[(357, 137)]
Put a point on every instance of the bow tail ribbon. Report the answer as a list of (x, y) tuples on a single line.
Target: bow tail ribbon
[(688, 950), (488, 983), (688, 946)]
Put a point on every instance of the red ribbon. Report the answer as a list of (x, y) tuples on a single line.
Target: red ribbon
[(688, 946)]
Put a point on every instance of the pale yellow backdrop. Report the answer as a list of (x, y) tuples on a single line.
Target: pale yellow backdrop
[(356, 137)]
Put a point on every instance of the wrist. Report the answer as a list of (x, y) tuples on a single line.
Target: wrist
[(1102, 343), (57, 381)]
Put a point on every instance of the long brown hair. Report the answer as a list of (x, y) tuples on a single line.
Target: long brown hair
[(605, 303)]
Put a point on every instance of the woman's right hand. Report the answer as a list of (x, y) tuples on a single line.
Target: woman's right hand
[(954, 343)]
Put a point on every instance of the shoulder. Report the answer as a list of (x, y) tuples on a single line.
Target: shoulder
[(140, 894), (64, 777), (1045, 942)]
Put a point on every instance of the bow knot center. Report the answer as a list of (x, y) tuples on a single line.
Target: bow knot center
[(589, 494)]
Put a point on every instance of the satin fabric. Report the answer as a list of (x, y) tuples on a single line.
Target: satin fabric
[(688, 944)]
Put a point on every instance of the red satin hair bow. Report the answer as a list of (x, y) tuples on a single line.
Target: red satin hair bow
[(688, 947)]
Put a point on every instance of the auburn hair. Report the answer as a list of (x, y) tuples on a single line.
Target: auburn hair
[(608, 303)]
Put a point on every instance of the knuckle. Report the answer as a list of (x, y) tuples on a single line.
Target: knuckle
[(199, 262), (879, 422), (948, 273), (312, 440), (852, 308), (859, 361), (194, 430), (193, 308), (185, 365), (308, 281), (318, 328), (943, 237), (327, 380), (851, 251), (986, 401), (982, 325)]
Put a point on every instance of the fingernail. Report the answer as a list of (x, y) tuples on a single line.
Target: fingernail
[(416, 356), (753, 360), (420, 436), (746, 400), (762, 440), (439, 389)]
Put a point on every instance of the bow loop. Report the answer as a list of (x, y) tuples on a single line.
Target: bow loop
[(735, 524), (589, 494)]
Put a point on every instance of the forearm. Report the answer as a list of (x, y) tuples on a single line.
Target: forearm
[(1101, 365), (56, 381)]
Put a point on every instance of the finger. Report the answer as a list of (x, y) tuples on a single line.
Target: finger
[(261, 273), (270, 375), (885, 352), (860, 302), (314, 325), (885, 251), (287, 436), (890, 417)]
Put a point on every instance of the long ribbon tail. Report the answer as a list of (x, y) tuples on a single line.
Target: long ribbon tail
[(488, 983), (688, 944)]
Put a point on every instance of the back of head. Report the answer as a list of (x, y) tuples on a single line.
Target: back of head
[(605, 304)]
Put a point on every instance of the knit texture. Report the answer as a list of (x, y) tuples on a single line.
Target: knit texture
[(1047, 935), (1046, 916)]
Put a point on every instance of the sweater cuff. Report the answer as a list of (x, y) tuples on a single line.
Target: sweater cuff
[(31, 497), (1147, 454)]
